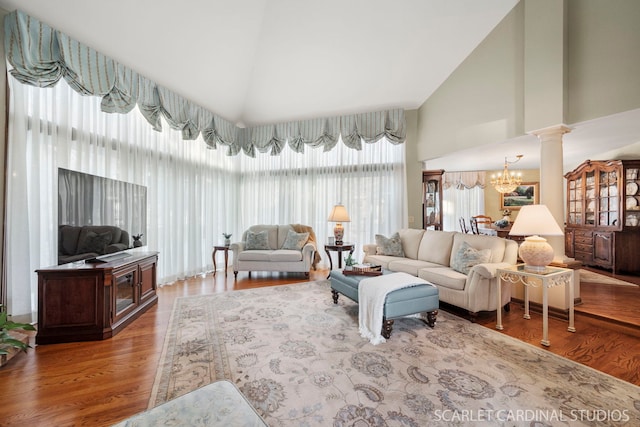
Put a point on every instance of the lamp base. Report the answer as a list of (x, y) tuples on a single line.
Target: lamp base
[(535, 268), (338, 233), (536, 253)]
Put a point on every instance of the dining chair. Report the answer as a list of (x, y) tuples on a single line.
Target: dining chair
[(483, 220), (474, 225), (463, 225)]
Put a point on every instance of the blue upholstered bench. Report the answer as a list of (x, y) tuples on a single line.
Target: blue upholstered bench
[(422, 298)]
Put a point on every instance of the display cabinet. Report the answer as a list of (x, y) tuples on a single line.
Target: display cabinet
[(432, 199), (85, 302), (603, 212)]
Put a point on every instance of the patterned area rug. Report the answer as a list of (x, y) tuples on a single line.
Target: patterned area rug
[(588, 276), (300, 361)]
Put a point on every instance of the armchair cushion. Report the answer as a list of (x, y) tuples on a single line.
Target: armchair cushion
[(295, 241), (257, 241)]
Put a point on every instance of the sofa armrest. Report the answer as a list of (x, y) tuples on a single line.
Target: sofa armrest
[(488, 270), (370, 249), (309, 247), (236, 248)]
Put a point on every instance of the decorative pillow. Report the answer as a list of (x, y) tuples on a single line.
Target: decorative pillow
[(467, 257), (295, 241), (259, 241), (391, 246), (95, 243)]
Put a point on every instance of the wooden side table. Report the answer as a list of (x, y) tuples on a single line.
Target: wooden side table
[(551, 277), (226, 258), (345, 247)]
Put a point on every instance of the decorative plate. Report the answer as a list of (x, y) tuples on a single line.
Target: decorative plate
[(631, 202), (632, 188)]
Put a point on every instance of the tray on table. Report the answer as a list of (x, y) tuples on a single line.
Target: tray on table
[(364, 270)]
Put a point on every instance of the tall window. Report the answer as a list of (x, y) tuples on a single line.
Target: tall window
[(194, 193)]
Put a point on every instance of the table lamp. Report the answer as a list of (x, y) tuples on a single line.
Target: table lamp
[(534, 221), (339, 215)]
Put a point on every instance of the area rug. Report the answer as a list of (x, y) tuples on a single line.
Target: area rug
[(300, 361), (588, 276)]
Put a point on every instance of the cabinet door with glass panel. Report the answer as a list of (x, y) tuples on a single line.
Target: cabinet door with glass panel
[(593, 195), (432, 199)]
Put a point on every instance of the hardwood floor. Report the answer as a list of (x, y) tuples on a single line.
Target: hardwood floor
[(103, 382)]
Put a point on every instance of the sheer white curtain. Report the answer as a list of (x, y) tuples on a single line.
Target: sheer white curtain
[(191, 190), (304, 187), (193, 193), (463, 196)]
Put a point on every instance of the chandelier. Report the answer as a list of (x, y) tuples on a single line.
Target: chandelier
[(506, 182)]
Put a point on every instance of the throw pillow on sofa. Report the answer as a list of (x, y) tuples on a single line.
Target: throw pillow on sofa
[(467, 257), (257, 241), (295, 241), (94, 243), (391, 246)]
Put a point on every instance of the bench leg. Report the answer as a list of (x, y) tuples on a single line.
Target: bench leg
[(431, 318), (335, 296), (387, 327)]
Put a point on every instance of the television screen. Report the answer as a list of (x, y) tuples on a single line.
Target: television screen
[(98, 216)]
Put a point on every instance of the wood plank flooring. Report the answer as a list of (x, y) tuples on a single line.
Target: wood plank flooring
[(103, 382)]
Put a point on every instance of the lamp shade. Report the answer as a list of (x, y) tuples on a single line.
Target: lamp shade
[(339, 214), (535, 220)]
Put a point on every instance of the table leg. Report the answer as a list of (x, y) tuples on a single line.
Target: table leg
[(330, 262), (526, 302), (499, 310), (569, 288), (545, 316), (226, 261), (339, 259), (213, 255)]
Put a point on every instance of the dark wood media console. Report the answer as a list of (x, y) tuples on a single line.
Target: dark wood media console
[(87, 302)]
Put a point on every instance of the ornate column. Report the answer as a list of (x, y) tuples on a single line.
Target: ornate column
[(552, 180)]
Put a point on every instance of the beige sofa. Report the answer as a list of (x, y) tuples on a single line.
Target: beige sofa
[(273, 256), (431, 255)]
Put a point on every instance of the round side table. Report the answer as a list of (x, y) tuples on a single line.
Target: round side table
[(226, 258), (345, 247)]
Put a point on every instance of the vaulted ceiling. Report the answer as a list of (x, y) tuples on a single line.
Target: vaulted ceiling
[(269, 61)]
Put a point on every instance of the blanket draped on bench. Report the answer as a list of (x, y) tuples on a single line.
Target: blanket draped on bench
[(372, 293)]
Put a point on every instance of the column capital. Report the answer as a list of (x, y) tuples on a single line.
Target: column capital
[(555, 130)]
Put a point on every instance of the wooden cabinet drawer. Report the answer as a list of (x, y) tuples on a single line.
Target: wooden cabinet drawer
[(581, 237), (583, 247)]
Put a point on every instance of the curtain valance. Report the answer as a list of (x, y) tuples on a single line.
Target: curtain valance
[(462, 180), (41, 56)]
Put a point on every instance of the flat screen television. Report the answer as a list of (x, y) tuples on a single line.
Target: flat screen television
[(98, 217)]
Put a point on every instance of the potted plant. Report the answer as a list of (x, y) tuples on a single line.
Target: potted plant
[(9, 344), (227, 238), (349, 262), (136, 240)]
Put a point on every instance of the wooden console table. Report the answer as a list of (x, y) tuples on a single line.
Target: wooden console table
[(86, 302)]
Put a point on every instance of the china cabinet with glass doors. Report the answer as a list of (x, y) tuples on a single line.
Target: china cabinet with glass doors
[(432, 199), (603, 214)]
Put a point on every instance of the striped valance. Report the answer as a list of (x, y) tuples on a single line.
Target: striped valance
[(41, 56), (462, 180)]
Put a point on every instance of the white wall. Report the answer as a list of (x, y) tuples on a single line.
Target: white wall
[(482, 101), (604, 58), (414, 171), (3, 149)]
